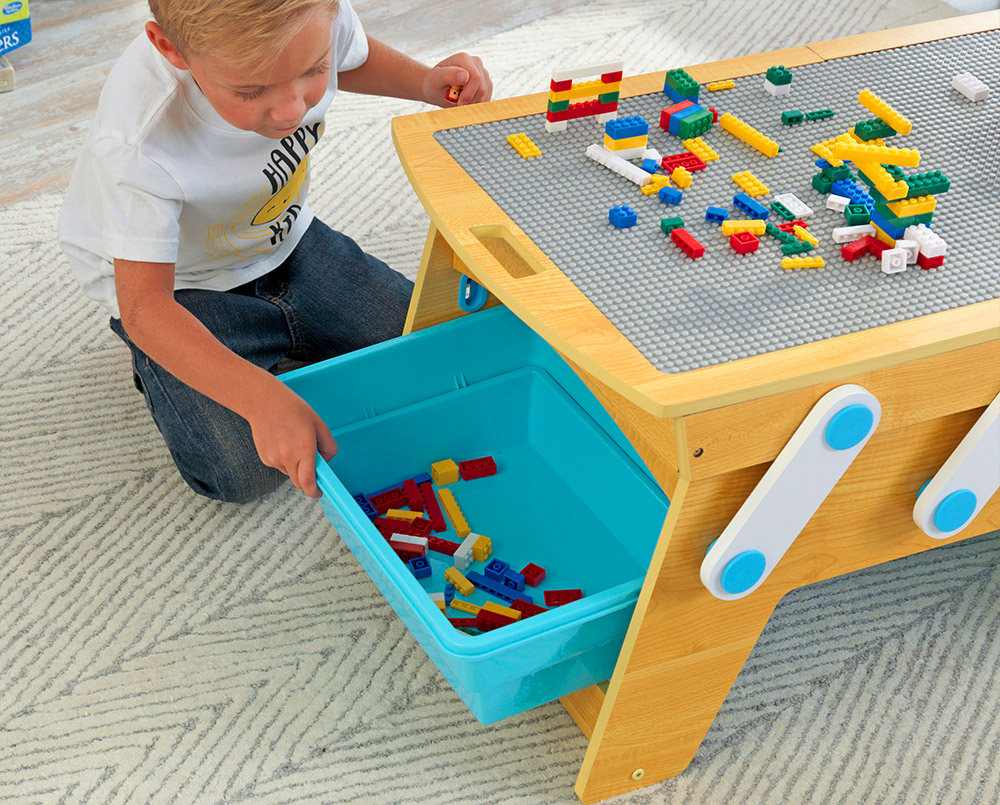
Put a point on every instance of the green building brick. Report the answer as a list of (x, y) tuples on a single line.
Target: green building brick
[(822, 183), (796, 248), (901, 223), (873, 129), (669, 224), (896, 172), (841, 171), (792, 117), (778, 75), (682, 84), (930, 183), (819, 114), (694, 125), (782, 210), (608, 97), (558, 106), (856, 214), (786, 238)]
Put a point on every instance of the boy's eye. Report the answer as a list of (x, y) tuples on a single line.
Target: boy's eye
[(249, 95)]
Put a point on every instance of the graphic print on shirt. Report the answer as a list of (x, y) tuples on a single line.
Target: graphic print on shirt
[(260, 224)]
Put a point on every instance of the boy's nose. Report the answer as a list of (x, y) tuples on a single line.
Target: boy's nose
[(290, 107)]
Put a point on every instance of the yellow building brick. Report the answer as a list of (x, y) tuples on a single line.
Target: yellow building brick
[(750, 225), (802, 262), (585, 89), (681, 176), (402, 514), (912, 206), (462, 584), (656, 181), (464, 606), (803, 234), (492, 606), (481, 549), (824, 151), (751, 184), (884, 236), (883, 180), (444, 472), (700, 149), (865, 152), (451, 508), (629, 142), (715, 86), (748, 134), (523, 145), (882, 110)]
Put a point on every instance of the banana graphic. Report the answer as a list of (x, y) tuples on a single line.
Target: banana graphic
[(279, 202)]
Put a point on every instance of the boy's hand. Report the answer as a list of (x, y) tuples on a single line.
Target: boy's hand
[(460, 70), (287, 434)]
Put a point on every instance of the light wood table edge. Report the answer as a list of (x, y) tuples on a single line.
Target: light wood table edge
[(561, 313), (907, 35)]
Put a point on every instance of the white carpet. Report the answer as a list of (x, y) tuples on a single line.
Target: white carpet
[(158, 647)]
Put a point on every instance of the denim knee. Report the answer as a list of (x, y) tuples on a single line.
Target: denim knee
[(235, 482)]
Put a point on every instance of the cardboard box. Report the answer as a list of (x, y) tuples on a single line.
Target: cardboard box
[(15, 25)]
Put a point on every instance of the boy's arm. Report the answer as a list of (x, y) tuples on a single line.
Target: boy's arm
[(389, 72), (286, 431)]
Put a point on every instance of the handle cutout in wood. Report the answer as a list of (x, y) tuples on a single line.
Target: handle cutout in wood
[(506, 250)]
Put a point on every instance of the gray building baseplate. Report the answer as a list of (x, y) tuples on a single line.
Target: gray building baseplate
[(684, 314)]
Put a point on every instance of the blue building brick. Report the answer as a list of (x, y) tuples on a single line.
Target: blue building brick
[(621, 128), (366, 506), (894, 232), (513, 580), (495, 569), (622, 217), (744, 202), (491, 587), (670, 195), (673, 126)]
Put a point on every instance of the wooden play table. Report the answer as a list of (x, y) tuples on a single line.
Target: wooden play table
[(709, 435)]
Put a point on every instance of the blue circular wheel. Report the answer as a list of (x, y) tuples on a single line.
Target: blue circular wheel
[(849, 426), (743, 572), (955, 510)]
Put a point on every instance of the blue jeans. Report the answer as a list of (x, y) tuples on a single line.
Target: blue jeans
[(329, 297)]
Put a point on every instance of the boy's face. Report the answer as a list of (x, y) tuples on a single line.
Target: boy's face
[(272, 98)]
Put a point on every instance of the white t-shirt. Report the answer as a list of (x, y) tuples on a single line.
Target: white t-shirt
[(162, 178)]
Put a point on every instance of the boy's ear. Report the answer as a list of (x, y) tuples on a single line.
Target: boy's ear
[(166, 48)]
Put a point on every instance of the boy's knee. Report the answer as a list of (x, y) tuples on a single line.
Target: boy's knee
[(236, 484), (233, 477)]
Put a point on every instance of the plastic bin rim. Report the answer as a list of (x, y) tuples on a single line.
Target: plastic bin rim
[(481, 316)]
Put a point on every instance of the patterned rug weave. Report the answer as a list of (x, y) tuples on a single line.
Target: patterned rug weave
[(162, 648)]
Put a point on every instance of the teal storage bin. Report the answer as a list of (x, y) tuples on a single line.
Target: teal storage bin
[(570, 495)]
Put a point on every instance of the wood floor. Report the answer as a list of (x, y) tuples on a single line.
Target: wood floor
[(75, 42)]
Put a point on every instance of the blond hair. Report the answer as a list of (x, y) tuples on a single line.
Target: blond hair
[(244, 30)]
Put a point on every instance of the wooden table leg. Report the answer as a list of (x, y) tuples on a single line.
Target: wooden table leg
[(682, 653), (435, 293)]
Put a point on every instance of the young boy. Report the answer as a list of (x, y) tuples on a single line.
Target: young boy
[(186, 217)]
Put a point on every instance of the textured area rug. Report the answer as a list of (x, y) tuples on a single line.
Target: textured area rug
[(158, 647)]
